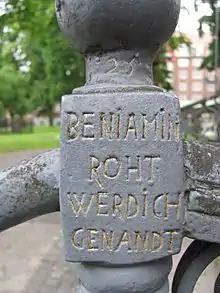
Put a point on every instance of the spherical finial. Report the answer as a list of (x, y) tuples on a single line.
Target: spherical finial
[(110, 25)]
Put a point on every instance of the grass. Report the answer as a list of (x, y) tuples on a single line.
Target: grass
[(42, 138)]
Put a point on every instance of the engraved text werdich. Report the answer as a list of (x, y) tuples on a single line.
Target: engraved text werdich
[(143, 205), (123, 207)]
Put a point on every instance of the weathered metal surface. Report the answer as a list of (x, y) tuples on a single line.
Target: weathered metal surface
[(26, 202), (202, 226), (20, 198), (121, 197), (119, 155), (29, 189), (129, 278), (111, 25), (16, 185), (202, 164), (202, 169), (120, 137)]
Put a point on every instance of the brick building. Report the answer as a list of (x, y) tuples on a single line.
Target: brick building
[(189, 82)]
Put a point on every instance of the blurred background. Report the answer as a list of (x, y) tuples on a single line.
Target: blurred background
[(38, 66)]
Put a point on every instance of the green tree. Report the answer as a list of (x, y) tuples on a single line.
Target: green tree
[(31, 40), (14, 96), (162, 74), (210, 20), (54, 68)]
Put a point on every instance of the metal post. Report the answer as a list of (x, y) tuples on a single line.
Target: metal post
[(121, 156), (125, 200)]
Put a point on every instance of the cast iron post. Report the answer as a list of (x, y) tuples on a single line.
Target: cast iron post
[(122, 174), (129, 188)]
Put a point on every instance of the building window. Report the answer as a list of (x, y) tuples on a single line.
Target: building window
[(183, 51), (183, 74), (183, 86), (197, 74), (197, 96), (183, 97), (196, 62), (197, 87), (193, 51), (210, 76), (183, 62), (211, 88)]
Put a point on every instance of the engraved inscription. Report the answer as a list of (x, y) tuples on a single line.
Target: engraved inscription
[(120, 200), (163, 207), (125, 206), (130, 241), (130, 168), (106, 204), (113, 126), (72, 130)]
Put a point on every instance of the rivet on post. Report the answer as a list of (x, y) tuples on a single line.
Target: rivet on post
[(121, 187)]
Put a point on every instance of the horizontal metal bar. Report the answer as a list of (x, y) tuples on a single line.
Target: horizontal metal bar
[(202, 171), (202, 164), (29, 189)]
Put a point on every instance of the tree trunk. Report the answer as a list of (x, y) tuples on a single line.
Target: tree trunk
[(50, 116), (16, 126)]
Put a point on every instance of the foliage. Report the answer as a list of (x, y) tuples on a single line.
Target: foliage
[(210, 20), (37, 64), (162, 74), (13, 90), (13, 93), (53, 68)]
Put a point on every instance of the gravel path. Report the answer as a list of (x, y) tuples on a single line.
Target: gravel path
[(10, 159)]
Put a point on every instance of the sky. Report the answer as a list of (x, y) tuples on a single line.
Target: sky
[(188, 21)]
